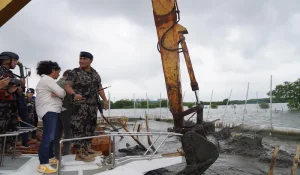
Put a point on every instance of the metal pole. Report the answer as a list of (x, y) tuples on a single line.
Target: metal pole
[(160, 105), (147, 104), (151, 145), (160, 145), (133, 105), (212, 92), (26, 77), (197, 97), (59, 160), (271, 104), (114, 151), (110, 145), (108, 104), (15, 147), (245, 104), (3, 152)]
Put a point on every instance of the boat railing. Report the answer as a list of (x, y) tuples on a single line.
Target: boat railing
[(15, 134), (111, 161)]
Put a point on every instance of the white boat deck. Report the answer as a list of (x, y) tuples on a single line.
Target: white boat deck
[(26, 165)]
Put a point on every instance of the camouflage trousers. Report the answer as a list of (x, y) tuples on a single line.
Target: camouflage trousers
[(83, 123), (8, 119)]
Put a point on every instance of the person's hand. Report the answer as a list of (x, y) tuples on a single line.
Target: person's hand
[(4, 82), (105, 104), (12, 89), (19, 119), (77, 97), (53, 94)]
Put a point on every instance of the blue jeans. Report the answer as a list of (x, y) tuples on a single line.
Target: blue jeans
[(49, 132)]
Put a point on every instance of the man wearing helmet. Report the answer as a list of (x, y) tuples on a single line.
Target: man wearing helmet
[(8, 95), (84, 85)]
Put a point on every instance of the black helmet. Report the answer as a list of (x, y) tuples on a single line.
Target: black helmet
[(86, 54), (8, 55), (30, 90)]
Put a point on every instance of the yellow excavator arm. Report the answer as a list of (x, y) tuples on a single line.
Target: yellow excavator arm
[(8, 8), (170, 36), (199, 152)]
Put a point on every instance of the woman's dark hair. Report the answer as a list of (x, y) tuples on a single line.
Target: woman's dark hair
[(46, 67)]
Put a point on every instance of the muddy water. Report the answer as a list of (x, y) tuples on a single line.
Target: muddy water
[(226, 163), (253, 116)]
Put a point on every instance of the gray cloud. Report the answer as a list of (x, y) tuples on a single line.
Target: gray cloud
[(230, 42)]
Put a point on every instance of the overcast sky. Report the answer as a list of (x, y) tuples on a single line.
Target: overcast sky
[(230, 42)]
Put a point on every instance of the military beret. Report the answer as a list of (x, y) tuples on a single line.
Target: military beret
[(86, 54), (30, 90), (8, 55)]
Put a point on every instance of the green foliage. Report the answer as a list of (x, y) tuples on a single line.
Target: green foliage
[(264, 105), (288, 92), (225, 101), (250, 101), (128, 104), (214, 106), (293, 105), (122, 104), (190, 105)]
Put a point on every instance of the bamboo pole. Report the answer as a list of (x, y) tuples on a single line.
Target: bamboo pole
[(133, 105), (226, 106), (295, 161), (271, 170), (271, 105), (245, 108), (212, 92)]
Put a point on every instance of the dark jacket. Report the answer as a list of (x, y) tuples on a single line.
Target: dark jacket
[(67, 102)]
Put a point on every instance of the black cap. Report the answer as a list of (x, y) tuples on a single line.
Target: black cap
[(30, 90), (8, 55), (86, 54)]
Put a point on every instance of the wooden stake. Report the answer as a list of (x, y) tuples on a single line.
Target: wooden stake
[(139, 128), (273, 161), (134, 138), (147, 128), (295, 161), (178, 153), (134, 125)]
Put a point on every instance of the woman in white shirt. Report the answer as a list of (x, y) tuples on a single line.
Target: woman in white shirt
[(48, 106)]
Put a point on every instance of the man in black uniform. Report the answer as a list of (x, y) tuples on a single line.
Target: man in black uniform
[(9, 95), (32, 116), (84, 84)]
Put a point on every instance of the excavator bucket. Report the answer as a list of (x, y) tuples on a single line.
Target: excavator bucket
[(200, 153)]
